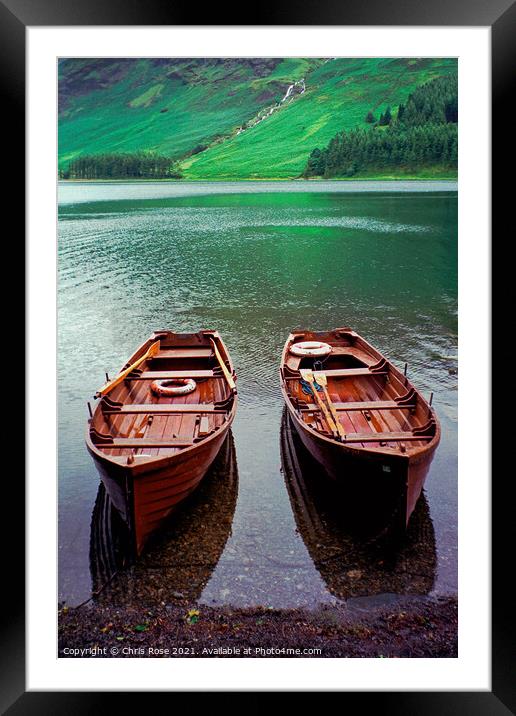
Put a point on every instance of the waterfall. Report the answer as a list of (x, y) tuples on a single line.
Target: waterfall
[(298, 87), (288, 93), (292, 87)]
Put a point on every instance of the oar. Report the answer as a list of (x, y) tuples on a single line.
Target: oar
[(226, 372), (309, 377), (323, 382), (154, 348)]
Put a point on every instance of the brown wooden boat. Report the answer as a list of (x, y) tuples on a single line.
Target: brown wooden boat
[(159, 425), (363, 411)]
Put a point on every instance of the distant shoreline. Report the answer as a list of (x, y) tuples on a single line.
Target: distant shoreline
[(451, 178)]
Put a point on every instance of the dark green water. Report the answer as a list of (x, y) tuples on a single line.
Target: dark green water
[(255, 261)]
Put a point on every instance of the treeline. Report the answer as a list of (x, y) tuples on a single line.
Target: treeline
[(423, 134), (139, 165), (435, 102)]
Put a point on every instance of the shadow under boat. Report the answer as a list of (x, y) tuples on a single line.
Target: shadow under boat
[(179, 559), (353, 551)]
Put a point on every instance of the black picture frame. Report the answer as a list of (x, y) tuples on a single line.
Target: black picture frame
[(15, 17)]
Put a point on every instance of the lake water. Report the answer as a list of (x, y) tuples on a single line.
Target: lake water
[(255, 260)]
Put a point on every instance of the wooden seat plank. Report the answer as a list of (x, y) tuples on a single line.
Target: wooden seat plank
[(169, 408), (358, 353), (383, 437), (184, 353), (146, 442), (164, 374), (344, 373), (365, 405), (351, 372)]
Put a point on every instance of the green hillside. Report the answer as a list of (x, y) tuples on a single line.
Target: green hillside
[(225, 118), (422, 135)]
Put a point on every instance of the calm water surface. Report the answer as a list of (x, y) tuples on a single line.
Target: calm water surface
[(255, 260)]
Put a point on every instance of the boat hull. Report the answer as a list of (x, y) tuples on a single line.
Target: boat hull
[(389, 484), (145, 498), (350, 549), (180, 561)]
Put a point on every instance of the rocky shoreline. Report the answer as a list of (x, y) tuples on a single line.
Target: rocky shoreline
[(412, 627)]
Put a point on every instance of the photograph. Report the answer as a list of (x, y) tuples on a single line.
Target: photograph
[(257, 356)]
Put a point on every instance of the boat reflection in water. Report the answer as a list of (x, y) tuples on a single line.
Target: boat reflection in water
[(343, 542), (179, 559)]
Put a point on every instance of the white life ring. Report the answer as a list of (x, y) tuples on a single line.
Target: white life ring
[(173, 386), (310, 348)]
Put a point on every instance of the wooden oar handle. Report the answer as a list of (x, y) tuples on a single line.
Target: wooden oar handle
[(321, 378), (153, 349), (327, 415), (340, 429), (227, 374), (309, 377)]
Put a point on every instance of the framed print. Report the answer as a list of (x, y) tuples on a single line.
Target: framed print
[(258, 353)]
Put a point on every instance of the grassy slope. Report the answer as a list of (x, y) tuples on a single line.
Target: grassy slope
[(126, 116), (338, 96)]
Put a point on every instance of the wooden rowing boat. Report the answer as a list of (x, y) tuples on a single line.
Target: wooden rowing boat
[(152, 449), (385, 426)]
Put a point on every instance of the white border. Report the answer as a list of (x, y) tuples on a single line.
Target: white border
[(471, 670)]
